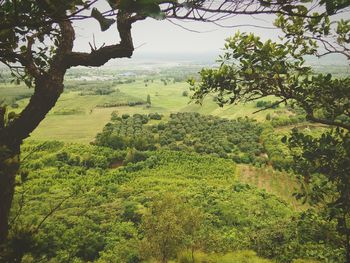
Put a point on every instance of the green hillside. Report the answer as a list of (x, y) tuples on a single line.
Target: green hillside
[(103, 204)]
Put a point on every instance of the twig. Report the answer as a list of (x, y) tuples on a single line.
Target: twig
[(188, 29), (53, 210), (34, 150), (19, 211), (271, 106)]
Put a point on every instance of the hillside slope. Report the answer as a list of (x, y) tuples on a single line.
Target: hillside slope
[(70, 206)]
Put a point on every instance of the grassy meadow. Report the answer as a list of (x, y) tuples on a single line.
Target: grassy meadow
[(77, 118)]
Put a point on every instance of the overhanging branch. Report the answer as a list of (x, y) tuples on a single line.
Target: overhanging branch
[(102, 55), (98, 57), (335, 123)]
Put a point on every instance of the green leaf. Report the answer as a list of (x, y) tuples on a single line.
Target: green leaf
[(112, 4), (148, 8)]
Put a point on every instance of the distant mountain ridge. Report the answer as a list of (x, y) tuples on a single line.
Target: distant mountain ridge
[(209, 58)]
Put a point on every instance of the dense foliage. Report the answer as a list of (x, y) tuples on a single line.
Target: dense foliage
[(325, 180), (235, 139), (71, 207)]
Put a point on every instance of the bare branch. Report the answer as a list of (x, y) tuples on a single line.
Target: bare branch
[(271, 106), (19, 211), (102, 55), (310, 116), (188, 29), (53, 210), (98, 57)]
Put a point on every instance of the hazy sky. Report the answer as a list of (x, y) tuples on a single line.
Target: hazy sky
[(153, 36)]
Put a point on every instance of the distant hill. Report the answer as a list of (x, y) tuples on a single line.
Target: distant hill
[(167, 59), (146, 59)]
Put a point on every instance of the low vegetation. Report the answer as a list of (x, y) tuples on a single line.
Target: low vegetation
[(71, 206)]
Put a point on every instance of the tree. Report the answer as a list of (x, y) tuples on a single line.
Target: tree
[(324, 163), (25, 26), (169, 226), (36, 43), (251, 69), (149, 101)]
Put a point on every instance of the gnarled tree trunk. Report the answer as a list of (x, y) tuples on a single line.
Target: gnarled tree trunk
[(47, 92), (9, 165), (48, 88)]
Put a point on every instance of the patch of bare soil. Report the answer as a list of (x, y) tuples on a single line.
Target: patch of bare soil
[(116, 164)]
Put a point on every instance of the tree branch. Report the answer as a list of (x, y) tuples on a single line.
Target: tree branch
[(271, 106), (102, 55), (209, 11), (19, 211), (48, 87), (312, 118), (53, 210), (98, 57)]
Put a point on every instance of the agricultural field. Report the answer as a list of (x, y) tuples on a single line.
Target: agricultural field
[(86, 105), (12, 94), (238, 140)]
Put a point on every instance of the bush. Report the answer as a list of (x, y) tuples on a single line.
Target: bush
[(155, 116), (134, 156)]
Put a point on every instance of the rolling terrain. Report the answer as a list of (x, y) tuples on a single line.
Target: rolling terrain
[(126, 168)]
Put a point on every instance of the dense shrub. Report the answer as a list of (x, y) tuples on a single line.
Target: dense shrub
[(106, 215), (234, 139), (155, 116)]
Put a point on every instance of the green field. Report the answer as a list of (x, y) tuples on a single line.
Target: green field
[(10, 93), (77, 118), (279, 183)]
